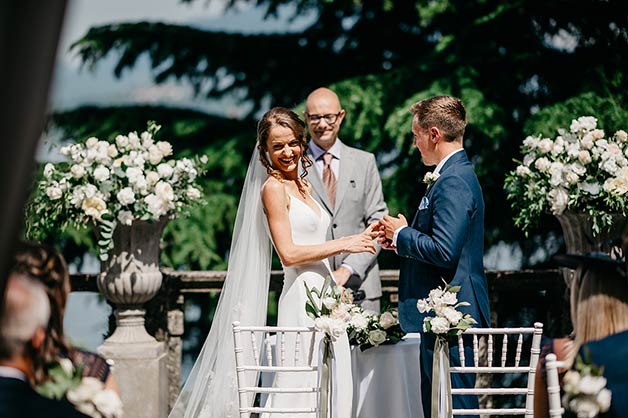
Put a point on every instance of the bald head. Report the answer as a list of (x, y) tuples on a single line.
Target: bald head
[(324, 116)]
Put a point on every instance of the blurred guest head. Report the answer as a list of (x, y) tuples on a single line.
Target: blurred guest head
[(46, 265), (23, 321)]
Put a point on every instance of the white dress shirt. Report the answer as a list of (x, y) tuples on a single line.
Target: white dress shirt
[(436, 171), (12, 372)]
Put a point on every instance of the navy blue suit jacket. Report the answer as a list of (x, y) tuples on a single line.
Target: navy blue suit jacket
[(611, 352), (19, 400), (445, 241)]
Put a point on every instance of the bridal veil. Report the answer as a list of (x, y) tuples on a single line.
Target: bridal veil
[(210, 390)]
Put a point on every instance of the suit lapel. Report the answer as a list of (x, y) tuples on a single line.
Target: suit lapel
[(346, 171), (317, 185)]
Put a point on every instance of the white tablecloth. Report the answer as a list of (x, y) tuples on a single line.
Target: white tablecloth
[(387, 380)]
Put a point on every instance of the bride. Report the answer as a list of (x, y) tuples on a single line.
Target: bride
[(276, 203)]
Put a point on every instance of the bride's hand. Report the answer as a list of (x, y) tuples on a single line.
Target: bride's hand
[(360, 243)]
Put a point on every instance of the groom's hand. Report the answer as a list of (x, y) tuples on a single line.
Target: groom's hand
[(389, 224)]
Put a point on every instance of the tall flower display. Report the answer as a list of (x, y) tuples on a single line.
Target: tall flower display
[(581, 170), (103, 183)]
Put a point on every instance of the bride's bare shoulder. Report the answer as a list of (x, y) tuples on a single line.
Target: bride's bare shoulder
[(273, 189)]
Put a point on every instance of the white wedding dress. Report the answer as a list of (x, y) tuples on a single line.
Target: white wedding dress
[(309, 228)]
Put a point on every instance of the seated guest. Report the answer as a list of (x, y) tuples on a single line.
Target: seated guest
[(47, 266), (599, 297), (23, 321)]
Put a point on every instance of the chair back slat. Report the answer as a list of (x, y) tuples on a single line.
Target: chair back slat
[(502, 366), (277, 343), (553, 386), (519, 348), (490, 350)]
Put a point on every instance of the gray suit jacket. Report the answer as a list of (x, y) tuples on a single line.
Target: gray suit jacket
[(359, 202)]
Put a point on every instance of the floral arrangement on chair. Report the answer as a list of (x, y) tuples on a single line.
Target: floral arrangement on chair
[(367, 329), (447, 322), (581, 170), (88, 394), (585, 390), (105, 183)]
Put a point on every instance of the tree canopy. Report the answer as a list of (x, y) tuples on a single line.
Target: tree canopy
[(521, 67)]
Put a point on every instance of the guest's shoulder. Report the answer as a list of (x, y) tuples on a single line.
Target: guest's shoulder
[(358, 153)]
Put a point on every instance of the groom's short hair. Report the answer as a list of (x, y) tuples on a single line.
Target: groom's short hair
[(444, 112)]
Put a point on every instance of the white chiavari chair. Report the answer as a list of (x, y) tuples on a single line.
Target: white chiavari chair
[(553, 385), (254, 354), (495, 338)]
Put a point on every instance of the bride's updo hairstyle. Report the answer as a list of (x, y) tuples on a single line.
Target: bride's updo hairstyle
[(281, 116)]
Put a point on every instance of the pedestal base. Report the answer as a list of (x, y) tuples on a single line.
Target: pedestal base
[(141, 374)]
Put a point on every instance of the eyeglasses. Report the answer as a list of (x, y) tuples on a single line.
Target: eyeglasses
[(330, 118)]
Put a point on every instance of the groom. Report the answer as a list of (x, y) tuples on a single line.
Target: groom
[(347, 184), (445, 240)]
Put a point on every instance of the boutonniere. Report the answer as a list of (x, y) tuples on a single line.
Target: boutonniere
[(430, 177)]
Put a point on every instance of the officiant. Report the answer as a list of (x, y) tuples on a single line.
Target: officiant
[(346, 183)]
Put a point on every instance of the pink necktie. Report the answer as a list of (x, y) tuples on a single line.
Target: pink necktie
[(329, 180)]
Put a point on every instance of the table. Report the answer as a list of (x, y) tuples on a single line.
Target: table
[(387, 380)]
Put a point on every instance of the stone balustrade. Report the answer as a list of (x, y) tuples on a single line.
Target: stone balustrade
[(516, 298)]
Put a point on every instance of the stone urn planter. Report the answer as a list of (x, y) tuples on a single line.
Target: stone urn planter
[(580, 239), (129, 278)]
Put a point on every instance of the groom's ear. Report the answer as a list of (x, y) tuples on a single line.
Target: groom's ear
[(435, 134)]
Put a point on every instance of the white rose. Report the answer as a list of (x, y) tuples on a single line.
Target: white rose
[(133, 173), (89, 387), (423, 306), (67, 366), (77, 197), (193, 193), (54, 192), (587, 141), (329, 302), (556, 173), (559, 199), (154, 155), (449, 298), (572, 150), (620, 136), (558, 147), (452, 315), (91, 142), (376, 337), (358, 321), (141, 185), (49, 169), (435, 293), (545, 145), (134, 141), (101, 173), (334, 328), (531, 142), (122, 141), (584, 157), (584, 407), (156, 206), (523, 171), (147, 139), (112, 151), (165, 148), (542, 164), (614, 150), (204, 159), (126, 196), (125, 217), (152, 178), (77, 171), (591, 188), (108, 403), (341, 312), (387, 320), (164, 170), (571, 381), (164, 191), (604, 400), (528, 159), (440, 325), (94, 207), (571, 177), (597, 134), (583, 123)]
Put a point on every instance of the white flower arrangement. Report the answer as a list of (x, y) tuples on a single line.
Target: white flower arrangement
[(448, 320), (104, 183), (585, 390), (581, 170), (368, 329), (88, 394), (334, 313)]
